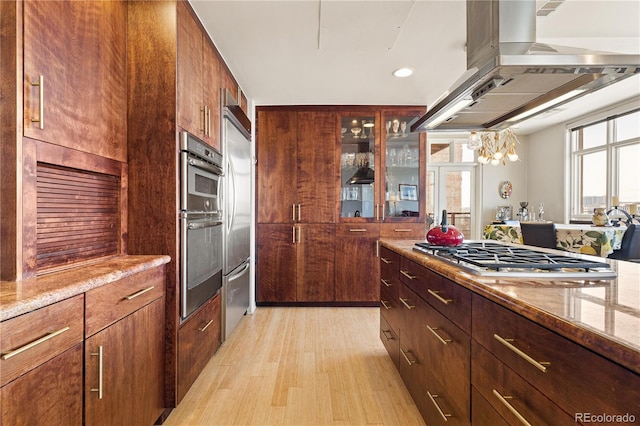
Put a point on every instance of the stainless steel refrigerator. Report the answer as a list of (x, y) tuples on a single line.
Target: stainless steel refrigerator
[(236, 146)]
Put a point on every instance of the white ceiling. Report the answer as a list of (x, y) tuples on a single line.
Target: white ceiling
[(338, 52)]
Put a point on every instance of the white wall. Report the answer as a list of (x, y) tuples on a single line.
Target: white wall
[(546, 172), (490, 178)]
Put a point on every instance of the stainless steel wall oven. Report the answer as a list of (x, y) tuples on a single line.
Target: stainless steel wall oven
[(201, 231)]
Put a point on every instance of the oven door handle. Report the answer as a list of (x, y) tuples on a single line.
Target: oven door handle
[(205, 166), (201, 225)]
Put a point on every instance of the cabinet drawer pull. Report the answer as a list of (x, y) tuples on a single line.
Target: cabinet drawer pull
[(404, 302), (100, 355), (294, 235), (387, 307), (386, 283), (445, 416), (208, 121), (540, 365), (40, 120), (402, 230), (511, 408), (34, 343), (299, 220), (139, 293), (385, 332), (409, 361), (203, 116), (385, 260), (433, 330), (408, 275), (293, 212), (357, 230), (440, 298), (203, 328)]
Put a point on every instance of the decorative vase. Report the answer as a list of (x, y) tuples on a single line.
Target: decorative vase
[(599, 217)]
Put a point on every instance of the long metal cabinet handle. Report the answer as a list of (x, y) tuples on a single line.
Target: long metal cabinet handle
[(511, 408), (204, 327), (387, 284), (293, 212), (40, 119), (203, 116), (402, 230), (406, 274), (357, 230), (385, 260), (540, 365), (404, 354), (34, 343), (432, 397), (404, 302), (433, 330), (437, 296), (385, 332), (299, 233), (208, 121), (387, 307), (299, 220), (139, 293), (294, 235), (100, 355)]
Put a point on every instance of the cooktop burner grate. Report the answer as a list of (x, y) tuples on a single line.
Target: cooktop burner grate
[(484, 256)]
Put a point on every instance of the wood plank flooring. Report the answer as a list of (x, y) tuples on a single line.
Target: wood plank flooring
[(300, 366)]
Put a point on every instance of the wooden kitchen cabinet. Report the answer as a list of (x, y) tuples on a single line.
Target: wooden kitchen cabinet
[(49, 372), (296, 202), (157, 45), (356, 276), (198, 75), (199, 338), (577, 380), (124, 350), (295, 263), (75, 78)]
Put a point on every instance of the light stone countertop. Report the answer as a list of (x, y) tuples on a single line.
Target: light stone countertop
[(603, 316), (20, 297)]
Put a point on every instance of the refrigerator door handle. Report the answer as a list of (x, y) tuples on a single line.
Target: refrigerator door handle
[(231, 195), (239, 274)]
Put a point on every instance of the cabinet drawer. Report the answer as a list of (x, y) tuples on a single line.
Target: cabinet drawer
[(390, 340), (390, 308), (198, 339), (451, 299), (437, 406), (403, 230), (510, 395), (111, 302), (356, 230), (31, 339), (389, 271), (448, 357), (576, 379)]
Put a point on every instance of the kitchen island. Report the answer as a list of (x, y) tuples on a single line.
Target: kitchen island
[(512, 348)]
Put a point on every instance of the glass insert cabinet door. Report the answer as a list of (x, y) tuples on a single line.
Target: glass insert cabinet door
[(357, 167), (402, 187)]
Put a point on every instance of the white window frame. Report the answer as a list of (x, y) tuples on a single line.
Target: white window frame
[(611, 148)]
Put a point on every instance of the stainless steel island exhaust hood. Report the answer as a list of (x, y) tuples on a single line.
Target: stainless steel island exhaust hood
[(511, 77)]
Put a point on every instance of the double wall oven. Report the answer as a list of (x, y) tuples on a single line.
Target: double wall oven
[(201, 231)]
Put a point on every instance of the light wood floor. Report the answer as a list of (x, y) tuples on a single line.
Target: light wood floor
[(300, 366)]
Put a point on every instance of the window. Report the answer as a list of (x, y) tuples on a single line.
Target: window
[(450, 182), (605, 158)]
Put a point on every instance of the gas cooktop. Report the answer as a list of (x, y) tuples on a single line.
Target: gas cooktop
[(490, 258)]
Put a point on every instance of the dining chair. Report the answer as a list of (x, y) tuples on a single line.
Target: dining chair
[(630, 247), (539, 234)]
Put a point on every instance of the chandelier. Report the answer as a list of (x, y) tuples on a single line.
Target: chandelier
[(494, 146)]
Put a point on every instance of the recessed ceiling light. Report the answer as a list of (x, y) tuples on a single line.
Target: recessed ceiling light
[(403, 72)]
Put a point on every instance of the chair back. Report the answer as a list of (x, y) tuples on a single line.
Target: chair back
[(540, 234), (630, 247)]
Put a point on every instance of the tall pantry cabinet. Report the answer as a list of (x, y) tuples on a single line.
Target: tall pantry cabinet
[(296, 203), (175, 79), (329, 185)]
